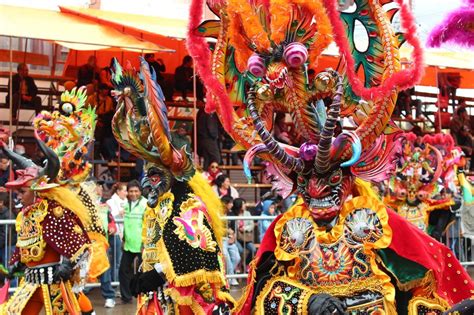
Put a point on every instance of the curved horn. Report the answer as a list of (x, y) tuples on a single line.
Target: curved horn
[(439, 161), (324, 146), (294, 164), (21, 161), (51, 169)]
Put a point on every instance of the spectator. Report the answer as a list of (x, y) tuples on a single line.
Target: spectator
[(91, 95), (405, 103), (105, 75), (461, 132), (105, 111), (268, 210), (159, 66), (245, 229), (88, 73), (207, 137), (7, 232), (230, 249), (213, 171), (117, 205), (108, 292), (24, 91), (4, 171), (183, 76), (223, 187), (132, 237), (180, 137)]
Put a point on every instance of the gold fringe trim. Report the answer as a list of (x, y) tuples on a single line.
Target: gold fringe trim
[(198, 276), (443, 205), (185, 300)]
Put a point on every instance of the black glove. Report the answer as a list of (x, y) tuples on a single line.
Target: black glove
[(325, 304), (134, 288), (221, 309), (64, 270), (146, 282)]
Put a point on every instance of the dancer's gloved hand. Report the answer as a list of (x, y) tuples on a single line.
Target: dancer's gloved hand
[(64, 270), (325, 304), (148, 281)]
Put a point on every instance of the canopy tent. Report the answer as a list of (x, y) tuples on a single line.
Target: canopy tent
[(68, 30), (168, 32)]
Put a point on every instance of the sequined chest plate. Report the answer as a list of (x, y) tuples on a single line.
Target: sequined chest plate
[(339, 262)]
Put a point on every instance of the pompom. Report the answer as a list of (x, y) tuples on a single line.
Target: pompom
[(295, 55), (256, 65)]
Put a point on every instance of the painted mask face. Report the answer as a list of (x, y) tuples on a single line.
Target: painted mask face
[(324, 195), (157, 181)]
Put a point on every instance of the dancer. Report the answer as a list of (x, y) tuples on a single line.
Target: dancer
[(182, 270), (69, 132), (328, 253), (53, 246), (422, 186)]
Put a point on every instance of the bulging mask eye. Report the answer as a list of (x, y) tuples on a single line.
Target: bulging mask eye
[(256, 65), (295, 55), (335, 178), (127, 91), (67, 108)]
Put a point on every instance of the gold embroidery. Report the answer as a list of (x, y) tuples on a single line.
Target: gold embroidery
[(20, 298), (30, 232), (153, 222), (419, 302), (77, 229), (190, 225), (326, 261), (58, 212)]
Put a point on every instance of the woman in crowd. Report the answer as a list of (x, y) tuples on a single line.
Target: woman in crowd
[(223, 187), (213, 171), (116, 204), (268, 210), (230, 248), (245, 230)]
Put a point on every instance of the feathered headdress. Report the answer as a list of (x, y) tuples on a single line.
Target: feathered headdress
[(140, 123)]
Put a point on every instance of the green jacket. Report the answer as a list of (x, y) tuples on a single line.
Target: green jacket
[(132, 225)]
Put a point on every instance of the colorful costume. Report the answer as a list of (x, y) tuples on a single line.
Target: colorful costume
[(327, 253), (52, 241), (69, 131), (419, 185), (182, 270)]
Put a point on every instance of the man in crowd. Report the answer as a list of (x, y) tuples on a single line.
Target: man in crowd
[(183, 76), (460, 127), (24, 91), (132, 237), (88, 73), (4, 171), (159, 67), (207, 135), (180, 137)]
